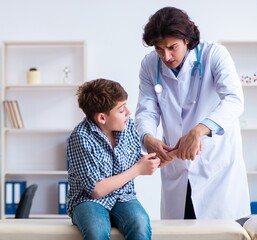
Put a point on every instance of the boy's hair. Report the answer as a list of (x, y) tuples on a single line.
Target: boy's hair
[(100, 96), (171, 22)]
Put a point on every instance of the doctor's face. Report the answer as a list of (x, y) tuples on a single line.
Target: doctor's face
[(172, 51)]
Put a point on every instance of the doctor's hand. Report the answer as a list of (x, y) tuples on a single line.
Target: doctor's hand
[(157, 146), (190, 145)]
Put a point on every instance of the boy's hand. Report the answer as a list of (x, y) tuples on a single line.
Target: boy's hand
[(148, 164)]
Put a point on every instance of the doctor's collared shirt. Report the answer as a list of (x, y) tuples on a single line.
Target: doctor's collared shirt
[(92, 159), (213, 126)]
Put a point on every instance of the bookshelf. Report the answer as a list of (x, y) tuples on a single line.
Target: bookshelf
[(49, 111), (244, 54)]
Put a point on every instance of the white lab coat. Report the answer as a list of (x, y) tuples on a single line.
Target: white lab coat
[(217, 176)]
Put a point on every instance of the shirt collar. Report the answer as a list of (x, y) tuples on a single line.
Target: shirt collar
[(118, 135)]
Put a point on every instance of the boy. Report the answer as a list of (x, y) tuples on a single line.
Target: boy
[(105, 156)]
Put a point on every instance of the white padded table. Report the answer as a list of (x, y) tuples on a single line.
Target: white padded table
[(251, 227), (62, 229)]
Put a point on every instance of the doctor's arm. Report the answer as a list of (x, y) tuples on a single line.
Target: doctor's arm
[(229, 89)]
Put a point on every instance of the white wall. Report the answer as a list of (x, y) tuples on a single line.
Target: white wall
[(112, 30)]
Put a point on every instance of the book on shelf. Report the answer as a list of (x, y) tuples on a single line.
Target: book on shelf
[(14, 114), (9, 113)]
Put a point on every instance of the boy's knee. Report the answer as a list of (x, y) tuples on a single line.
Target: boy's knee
[(139, 226), (96, 233)]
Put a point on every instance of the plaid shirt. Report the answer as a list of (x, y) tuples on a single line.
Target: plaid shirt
[(92, 159)]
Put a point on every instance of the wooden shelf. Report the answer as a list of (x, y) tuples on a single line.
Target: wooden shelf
[(249, 129), (36, 131), (244, 54), (42, 173), (49, 110), (42, 86), (252, 172)]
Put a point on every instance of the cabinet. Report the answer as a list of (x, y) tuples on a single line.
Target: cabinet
[(49, 110), (244, 55)]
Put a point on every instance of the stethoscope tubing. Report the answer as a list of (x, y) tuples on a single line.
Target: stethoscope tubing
[(158, 86)]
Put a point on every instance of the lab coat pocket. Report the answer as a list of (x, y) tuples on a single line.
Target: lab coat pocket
[(214, 157)]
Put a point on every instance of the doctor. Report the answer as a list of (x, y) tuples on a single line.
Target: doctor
[(192, 86)]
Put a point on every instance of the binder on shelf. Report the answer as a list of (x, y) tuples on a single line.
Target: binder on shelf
[(62, 194), (13, 193), (14, 114), (18, 189), (9, 206), (253, 207)]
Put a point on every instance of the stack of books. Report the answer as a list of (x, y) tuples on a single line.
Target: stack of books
[(13, 111)]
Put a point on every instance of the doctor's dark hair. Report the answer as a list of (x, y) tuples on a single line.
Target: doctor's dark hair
[(171, 22), (100, 96)]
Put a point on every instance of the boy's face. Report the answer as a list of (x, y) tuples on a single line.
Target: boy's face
[(117, 118)]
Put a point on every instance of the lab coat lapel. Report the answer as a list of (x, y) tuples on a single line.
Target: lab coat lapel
[(167, 71), (189, 63)]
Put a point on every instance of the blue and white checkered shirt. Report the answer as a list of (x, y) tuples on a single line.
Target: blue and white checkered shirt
[(92, 159)]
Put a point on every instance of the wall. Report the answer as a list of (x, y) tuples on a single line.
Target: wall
[(112, 31)]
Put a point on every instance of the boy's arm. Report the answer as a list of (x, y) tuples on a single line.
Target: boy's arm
[(145, 166)]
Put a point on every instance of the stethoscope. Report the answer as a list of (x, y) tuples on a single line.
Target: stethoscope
[(197, 65)]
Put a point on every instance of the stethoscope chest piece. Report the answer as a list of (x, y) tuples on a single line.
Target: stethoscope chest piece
[(158, 88)]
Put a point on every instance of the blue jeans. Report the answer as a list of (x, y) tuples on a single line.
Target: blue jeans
[(95, 222)]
